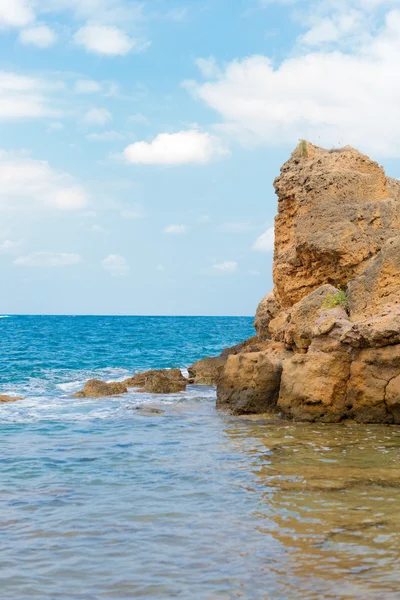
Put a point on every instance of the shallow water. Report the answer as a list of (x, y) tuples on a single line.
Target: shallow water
[(100, 500)]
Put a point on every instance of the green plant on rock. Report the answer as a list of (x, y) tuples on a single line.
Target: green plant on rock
[(338, 299), (303, 148)]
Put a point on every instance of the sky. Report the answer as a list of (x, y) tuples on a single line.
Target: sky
[(139, 141)]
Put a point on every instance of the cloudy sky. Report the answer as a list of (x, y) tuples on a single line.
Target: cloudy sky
[(139, 141)]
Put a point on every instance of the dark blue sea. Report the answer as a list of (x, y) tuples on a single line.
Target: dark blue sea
[(101, 501)]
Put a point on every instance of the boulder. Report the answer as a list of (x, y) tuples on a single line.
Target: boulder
[(95, 388), (5, 398), (249, 383), (207, 370), (336, 210), (373, 394), (313, 386), (267, 310), (160, 383), (139, 380)]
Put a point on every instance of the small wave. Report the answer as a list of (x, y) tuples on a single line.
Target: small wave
[(70, 386), (4, 316)]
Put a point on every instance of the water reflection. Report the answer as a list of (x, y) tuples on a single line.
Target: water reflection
[(330, 495)]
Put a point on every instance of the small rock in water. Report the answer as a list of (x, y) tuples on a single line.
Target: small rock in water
[(143, 380), (159, 383), (5, 398), (95, 388)]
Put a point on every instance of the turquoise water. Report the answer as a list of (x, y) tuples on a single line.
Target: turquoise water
[(101, 501)]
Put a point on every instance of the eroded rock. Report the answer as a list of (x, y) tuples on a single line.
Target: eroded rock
[(267, 310), (336, 209), (95, 388), (207, 370), (249, 382), (160, 383), (139, 380)]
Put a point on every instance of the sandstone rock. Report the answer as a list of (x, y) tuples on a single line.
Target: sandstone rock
[(207, 370), (373, 391), (377, 289), (305, 314), (313, 386), (160, 383), (253, 344), (249, 383), (139, 380), (377, 331), (5, 398), (95, 388), (336, 209), (279, 325), (266, 311)]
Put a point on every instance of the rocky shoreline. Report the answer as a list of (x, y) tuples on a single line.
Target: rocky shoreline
[(327, 346)]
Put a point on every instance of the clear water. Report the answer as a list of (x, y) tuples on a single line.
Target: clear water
[(101, 501)]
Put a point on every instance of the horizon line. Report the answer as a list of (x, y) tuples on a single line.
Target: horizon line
[(121, 315)]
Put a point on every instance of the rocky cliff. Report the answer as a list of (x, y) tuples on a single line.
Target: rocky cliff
[(329, 333)]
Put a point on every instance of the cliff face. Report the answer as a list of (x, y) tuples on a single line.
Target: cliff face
[(335, 211), (330, 330)]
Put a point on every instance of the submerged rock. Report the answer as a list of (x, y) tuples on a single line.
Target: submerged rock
[(147, 411), (95, 388), (4, 398)]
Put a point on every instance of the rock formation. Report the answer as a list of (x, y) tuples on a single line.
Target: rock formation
[(161, 381), (140, 379), (95, 388), (328, 336)]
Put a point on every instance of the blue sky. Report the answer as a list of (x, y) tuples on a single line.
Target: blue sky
[(140, 140)]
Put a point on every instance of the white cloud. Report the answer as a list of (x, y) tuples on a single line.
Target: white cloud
[(136, 212), (106, 40), (27, 184), (87, 86), (48, 259), (228, 266), (235, 226), (40, 36), (97, 116), (15, 13), (25, 97), (331, 98), (175, 229), (116, 265), (180, 148), (265, 242), (8, 246), (106, 136)]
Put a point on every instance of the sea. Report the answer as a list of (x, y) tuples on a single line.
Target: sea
[(99, 500)]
